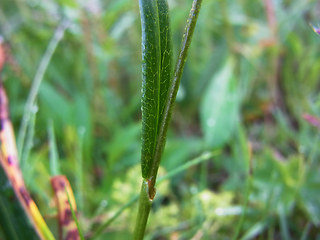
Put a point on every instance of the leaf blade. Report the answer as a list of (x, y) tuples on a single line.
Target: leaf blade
[(166, 54), (150, 82)]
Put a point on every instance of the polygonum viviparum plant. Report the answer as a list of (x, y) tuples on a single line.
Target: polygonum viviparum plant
[(159, 89)]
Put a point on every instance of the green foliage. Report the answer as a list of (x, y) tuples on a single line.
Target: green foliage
[(92, 86), (156, 76), (158, 95)]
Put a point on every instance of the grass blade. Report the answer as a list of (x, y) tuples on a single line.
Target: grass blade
[(58, 35), (53, 151), (74, 216), (114, 217)]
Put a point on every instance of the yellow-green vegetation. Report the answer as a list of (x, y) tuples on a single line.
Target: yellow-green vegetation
[(241, 160)]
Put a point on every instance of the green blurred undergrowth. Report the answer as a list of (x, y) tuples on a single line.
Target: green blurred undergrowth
[(248, 80)]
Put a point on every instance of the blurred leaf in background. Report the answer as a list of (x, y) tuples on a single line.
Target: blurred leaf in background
[(220, 107)]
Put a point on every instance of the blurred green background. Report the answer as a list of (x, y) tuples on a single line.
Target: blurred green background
[(252, 73)]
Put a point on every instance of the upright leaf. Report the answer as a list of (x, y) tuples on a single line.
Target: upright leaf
[(158, 93), (150, 81), (156, 75), (166, 54)]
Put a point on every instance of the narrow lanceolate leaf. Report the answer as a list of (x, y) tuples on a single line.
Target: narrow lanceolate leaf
[(150, 81), (156, 75), (165, 82), (166, 54), (10, 164), (62, 189)]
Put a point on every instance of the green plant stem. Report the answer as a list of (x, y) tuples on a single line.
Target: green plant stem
[(249, 180), (79, 168), (53, 151), (45, 60), (114, 217), (29, 138), (245, 208), (143, 212)]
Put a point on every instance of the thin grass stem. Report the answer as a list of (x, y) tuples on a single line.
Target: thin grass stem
[(75, 217), (45, 60), (245, 208), (204, 157), (53, 152), (29, 138), (104, 226), (79, 168)]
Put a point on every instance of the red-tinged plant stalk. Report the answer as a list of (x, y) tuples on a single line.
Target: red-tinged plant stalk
[(62, 189), (10, 164)]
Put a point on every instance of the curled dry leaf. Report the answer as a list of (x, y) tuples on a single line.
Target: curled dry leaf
[(62, 189)]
